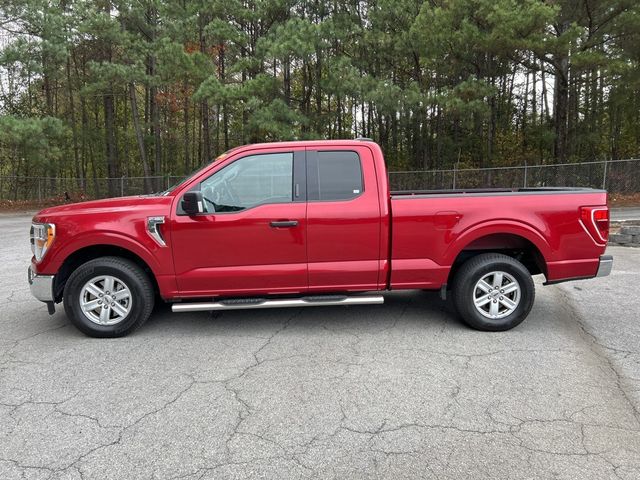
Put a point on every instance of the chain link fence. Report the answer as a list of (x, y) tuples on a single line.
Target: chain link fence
[(617, 176), (18, 188)]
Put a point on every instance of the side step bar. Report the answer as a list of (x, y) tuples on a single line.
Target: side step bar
[(247, 303)]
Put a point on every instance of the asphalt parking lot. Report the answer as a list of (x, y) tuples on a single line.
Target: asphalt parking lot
[(402, 390)]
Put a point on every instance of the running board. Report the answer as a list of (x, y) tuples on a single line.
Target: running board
[(248, 303)]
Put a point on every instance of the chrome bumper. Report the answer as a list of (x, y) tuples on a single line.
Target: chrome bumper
[(41, 286), (605, 266)]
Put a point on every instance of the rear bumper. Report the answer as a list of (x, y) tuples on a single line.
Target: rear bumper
[(580, 269), (41, 286), (605, 265)]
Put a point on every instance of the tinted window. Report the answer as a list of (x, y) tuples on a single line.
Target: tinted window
[(250, 181), (335, 176)]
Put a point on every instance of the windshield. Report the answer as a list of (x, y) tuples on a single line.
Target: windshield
[(220, 157)]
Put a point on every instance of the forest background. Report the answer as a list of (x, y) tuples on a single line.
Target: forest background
[(113, 88)]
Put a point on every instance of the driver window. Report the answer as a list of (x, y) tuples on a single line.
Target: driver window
[(248, 182)]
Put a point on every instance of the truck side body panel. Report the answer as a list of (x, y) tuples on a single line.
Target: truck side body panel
[(120, 223), (429, 231)]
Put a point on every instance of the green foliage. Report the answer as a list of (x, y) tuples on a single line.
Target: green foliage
[(467, 98), (95, 88), (275, 121), (36, 142)]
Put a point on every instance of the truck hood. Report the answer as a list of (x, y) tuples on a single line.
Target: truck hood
[(151, 204)]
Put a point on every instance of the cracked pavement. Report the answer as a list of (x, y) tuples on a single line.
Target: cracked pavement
[(402, 390)]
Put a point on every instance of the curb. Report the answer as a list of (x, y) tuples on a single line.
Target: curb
[(625, 233)]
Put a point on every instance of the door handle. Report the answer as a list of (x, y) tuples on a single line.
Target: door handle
[(284, 224)]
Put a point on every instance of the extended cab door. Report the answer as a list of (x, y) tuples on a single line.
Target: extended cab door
[(343, 219), (251, 238)]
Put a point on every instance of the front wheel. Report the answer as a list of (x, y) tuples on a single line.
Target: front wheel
[(108, 297), (493, 292)]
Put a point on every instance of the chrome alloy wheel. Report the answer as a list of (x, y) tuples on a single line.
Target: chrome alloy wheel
[(105, 300), (496, 295)]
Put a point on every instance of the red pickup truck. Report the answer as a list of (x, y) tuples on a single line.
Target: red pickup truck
[(305, 224)]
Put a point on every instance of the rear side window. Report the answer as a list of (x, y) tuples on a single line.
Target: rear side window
[(334, 175)]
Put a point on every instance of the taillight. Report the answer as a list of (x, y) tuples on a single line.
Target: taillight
[(596, 222)]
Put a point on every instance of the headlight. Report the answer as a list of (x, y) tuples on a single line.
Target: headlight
[(42, 235)]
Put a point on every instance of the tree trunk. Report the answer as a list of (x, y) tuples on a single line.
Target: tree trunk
[(74, 129), (560, 110), (287, 81), (492, 124), (561, 101), (185, 139), (155, 131), (525, 107), (148, 188), (110, 141), (225, 114), (204, 109)]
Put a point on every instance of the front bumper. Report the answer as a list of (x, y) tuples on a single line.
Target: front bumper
[(605, 265), (41, 286)]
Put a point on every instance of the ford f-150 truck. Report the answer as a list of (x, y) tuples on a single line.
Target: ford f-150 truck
[(311, 223)]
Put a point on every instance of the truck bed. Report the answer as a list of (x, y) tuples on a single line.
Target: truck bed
[(430, 229)]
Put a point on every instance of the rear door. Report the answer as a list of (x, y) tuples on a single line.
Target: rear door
[(343, 219)]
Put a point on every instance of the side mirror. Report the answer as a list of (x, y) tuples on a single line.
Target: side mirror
[(192, 203)]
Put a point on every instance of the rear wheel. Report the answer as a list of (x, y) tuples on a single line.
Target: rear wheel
[(493, 292), (108, 297)]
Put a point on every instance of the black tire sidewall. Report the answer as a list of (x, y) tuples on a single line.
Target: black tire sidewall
[(126, 271), (474, 270)]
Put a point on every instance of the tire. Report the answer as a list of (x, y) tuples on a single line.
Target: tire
[(502, 311), (106, 313)]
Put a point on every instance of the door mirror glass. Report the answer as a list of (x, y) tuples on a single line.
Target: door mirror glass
[(192, 203)]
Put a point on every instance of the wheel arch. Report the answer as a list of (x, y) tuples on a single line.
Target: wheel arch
[(84, 254), (520, 244)]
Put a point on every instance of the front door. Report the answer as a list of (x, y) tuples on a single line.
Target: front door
[(251, 239)]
